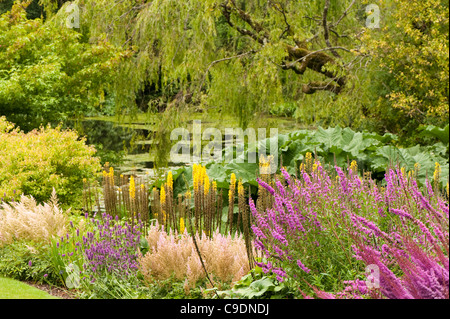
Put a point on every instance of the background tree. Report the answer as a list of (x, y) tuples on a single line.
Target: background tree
[(49, 72), (410, 68), (237, 56)]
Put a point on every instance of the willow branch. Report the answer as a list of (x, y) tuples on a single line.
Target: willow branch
[(222, 60), (326, 33)]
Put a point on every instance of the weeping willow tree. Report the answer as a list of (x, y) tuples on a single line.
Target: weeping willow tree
[(230, 56), (239, 56)]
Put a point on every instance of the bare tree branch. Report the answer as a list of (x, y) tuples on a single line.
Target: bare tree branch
[(279, 7), (343, 15), (326, 34), (222, 60)]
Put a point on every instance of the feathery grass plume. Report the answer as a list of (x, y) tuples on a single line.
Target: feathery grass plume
[(173, 254), (26, 220)]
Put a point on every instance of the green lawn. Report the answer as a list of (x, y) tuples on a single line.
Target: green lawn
[(13, 289)]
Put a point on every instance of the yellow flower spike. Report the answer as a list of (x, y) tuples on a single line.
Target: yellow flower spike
[(142, 186), (204, 175), (308, 159), (111, 175), (214, 185), (403, 171), (240, 188), (162, 195), (188, 195), (206, 183), (354, 166), (264, 164), (170, 180), (233, 181), (182, 227), (195, 176), (447, 191), (132, 188), (302, 167), (437, 172)]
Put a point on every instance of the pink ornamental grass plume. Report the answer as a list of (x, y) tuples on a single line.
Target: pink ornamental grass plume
[(173, 254), (26, 220)]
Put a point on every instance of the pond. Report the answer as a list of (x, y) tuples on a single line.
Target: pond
[(133, 137)]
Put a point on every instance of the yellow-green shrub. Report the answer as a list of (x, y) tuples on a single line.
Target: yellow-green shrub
[(36, 162)]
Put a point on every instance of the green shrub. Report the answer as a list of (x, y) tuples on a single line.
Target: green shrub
[(36, 162), (26, 260)]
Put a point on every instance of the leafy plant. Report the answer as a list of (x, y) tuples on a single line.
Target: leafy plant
[(318, 221), (48, 72), (27, 260), (332, 146), (37, 162), (257, 285)]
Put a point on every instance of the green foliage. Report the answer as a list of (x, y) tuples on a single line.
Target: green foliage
[(410, 86), (257, 285), (112, 286), (175, 289), (49, 73), (15, 262), (437, 133), (193, 53), (36, 162), (333, 146)]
